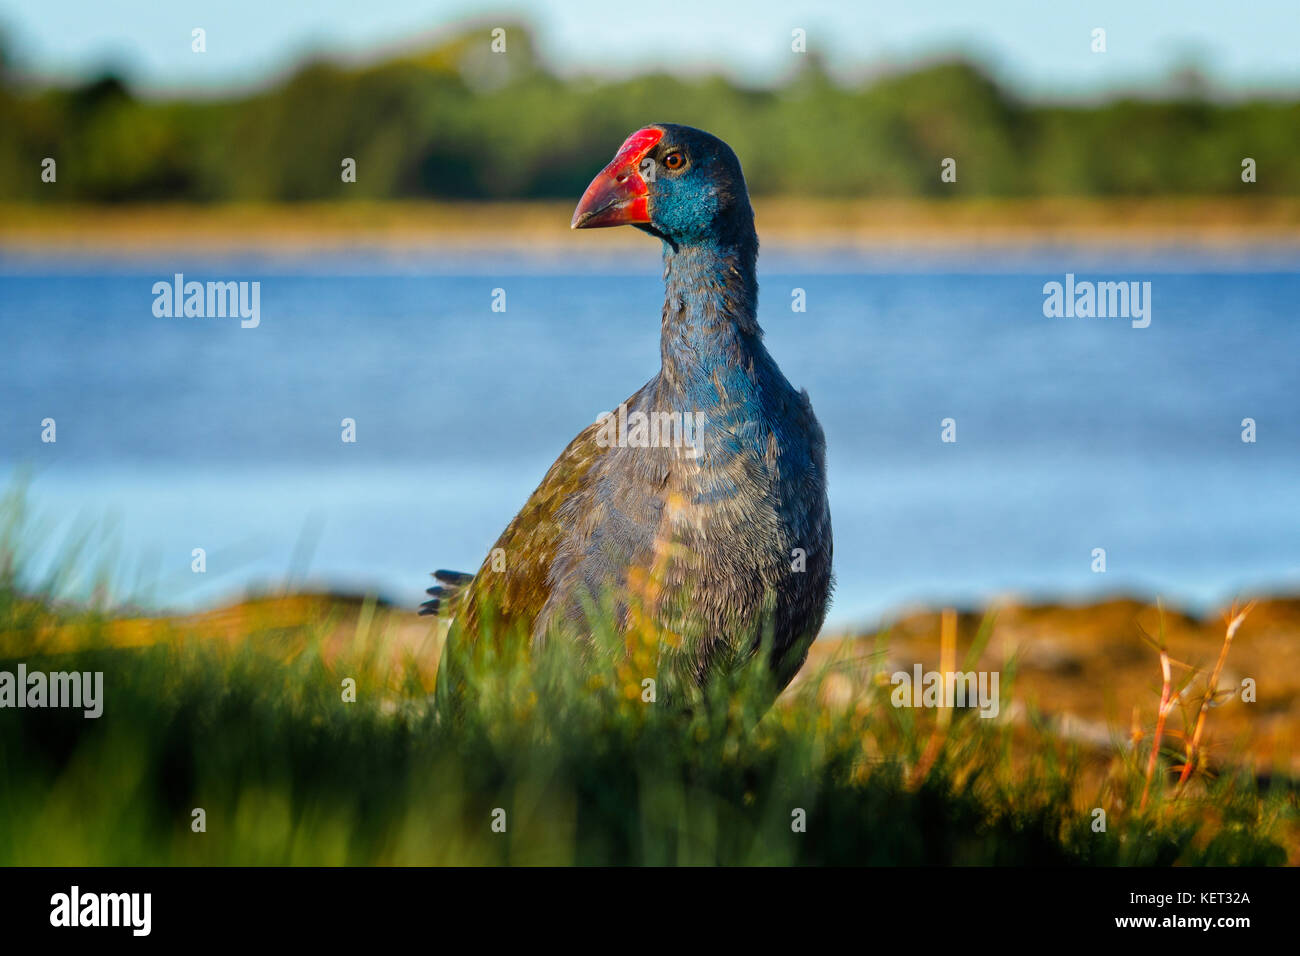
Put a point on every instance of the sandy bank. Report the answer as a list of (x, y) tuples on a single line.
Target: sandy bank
[(523, 227)]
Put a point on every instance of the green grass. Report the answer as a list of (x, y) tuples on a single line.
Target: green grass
[(254, 730)]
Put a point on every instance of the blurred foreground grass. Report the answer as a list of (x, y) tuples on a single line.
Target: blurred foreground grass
[(241, 712)]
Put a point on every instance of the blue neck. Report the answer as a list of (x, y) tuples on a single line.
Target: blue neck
[(714, 362), (710, 336)]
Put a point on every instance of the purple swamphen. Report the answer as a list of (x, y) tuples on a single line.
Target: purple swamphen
[(700, 503)]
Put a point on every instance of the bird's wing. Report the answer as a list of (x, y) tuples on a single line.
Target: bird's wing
[(514, 582)]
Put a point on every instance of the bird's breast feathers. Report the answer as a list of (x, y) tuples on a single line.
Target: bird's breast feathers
[(711, 513)]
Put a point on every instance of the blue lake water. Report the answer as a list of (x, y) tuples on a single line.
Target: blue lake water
[(1072, 433)]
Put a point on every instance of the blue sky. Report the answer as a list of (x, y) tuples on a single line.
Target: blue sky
[(1038, 47)]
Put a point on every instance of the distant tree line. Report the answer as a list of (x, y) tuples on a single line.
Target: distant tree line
[(458, 121)]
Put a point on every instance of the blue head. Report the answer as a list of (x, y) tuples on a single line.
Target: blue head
[(679, 183)]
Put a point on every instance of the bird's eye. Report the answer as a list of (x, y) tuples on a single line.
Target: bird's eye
[(674, 161)]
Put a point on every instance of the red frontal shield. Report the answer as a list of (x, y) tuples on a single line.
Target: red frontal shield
[(618, 196)]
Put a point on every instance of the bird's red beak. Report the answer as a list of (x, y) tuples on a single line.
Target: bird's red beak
[(618, 196)]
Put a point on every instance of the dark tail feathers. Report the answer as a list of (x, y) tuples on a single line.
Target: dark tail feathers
[(443, 597)]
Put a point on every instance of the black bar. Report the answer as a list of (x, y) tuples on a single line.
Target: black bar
[(328, 906)]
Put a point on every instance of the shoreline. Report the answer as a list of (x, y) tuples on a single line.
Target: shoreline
[(805, 224)]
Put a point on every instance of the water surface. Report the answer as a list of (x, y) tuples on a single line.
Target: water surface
[(1072, 434)]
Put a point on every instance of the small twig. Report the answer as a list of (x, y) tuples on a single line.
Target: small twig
[(1234, 620), (1167, 701)]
